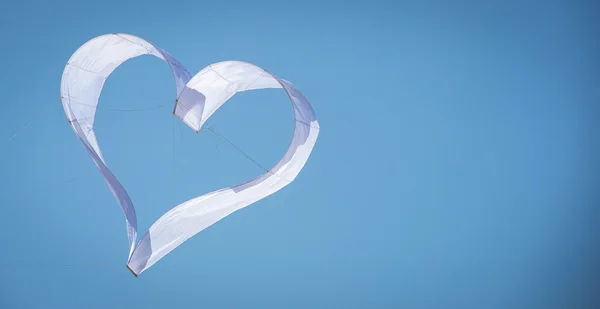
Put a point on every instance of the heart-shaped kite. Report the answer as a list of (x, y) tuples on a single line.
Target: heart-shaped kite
[(198, 98)]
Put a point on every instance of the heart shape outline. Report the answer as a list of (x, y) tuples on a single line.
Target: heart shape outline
[(198, 97)]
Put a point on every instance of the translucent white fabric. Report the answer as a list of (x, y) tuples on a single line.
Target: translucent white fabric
[(198, 98)]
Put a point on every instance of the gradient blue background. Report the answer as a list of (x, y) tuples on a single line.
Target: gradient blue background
[(457, 166)]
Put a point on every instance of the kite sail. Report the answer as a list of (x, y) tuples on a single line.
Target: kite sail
[(197, 98)]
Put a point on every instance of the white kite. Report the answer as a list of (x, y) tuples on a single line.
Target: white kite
[(198, 97)]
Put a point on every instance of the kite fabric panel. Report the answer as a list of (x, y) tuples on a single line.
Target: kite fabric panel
[(197, 98)]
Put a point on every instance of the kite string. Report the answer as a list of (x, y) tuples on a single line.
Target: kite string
[(110, 109), (174, 162), (209, 128), (19, 132), (125, 109), (219, 135), (30, 122), (138, 109)]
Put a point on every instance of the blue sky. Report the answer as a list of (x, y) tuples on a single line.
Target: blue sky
[(456, 165)]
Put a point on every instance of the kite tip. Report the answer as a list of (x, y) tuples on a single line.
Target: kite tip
[(131, 270)]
